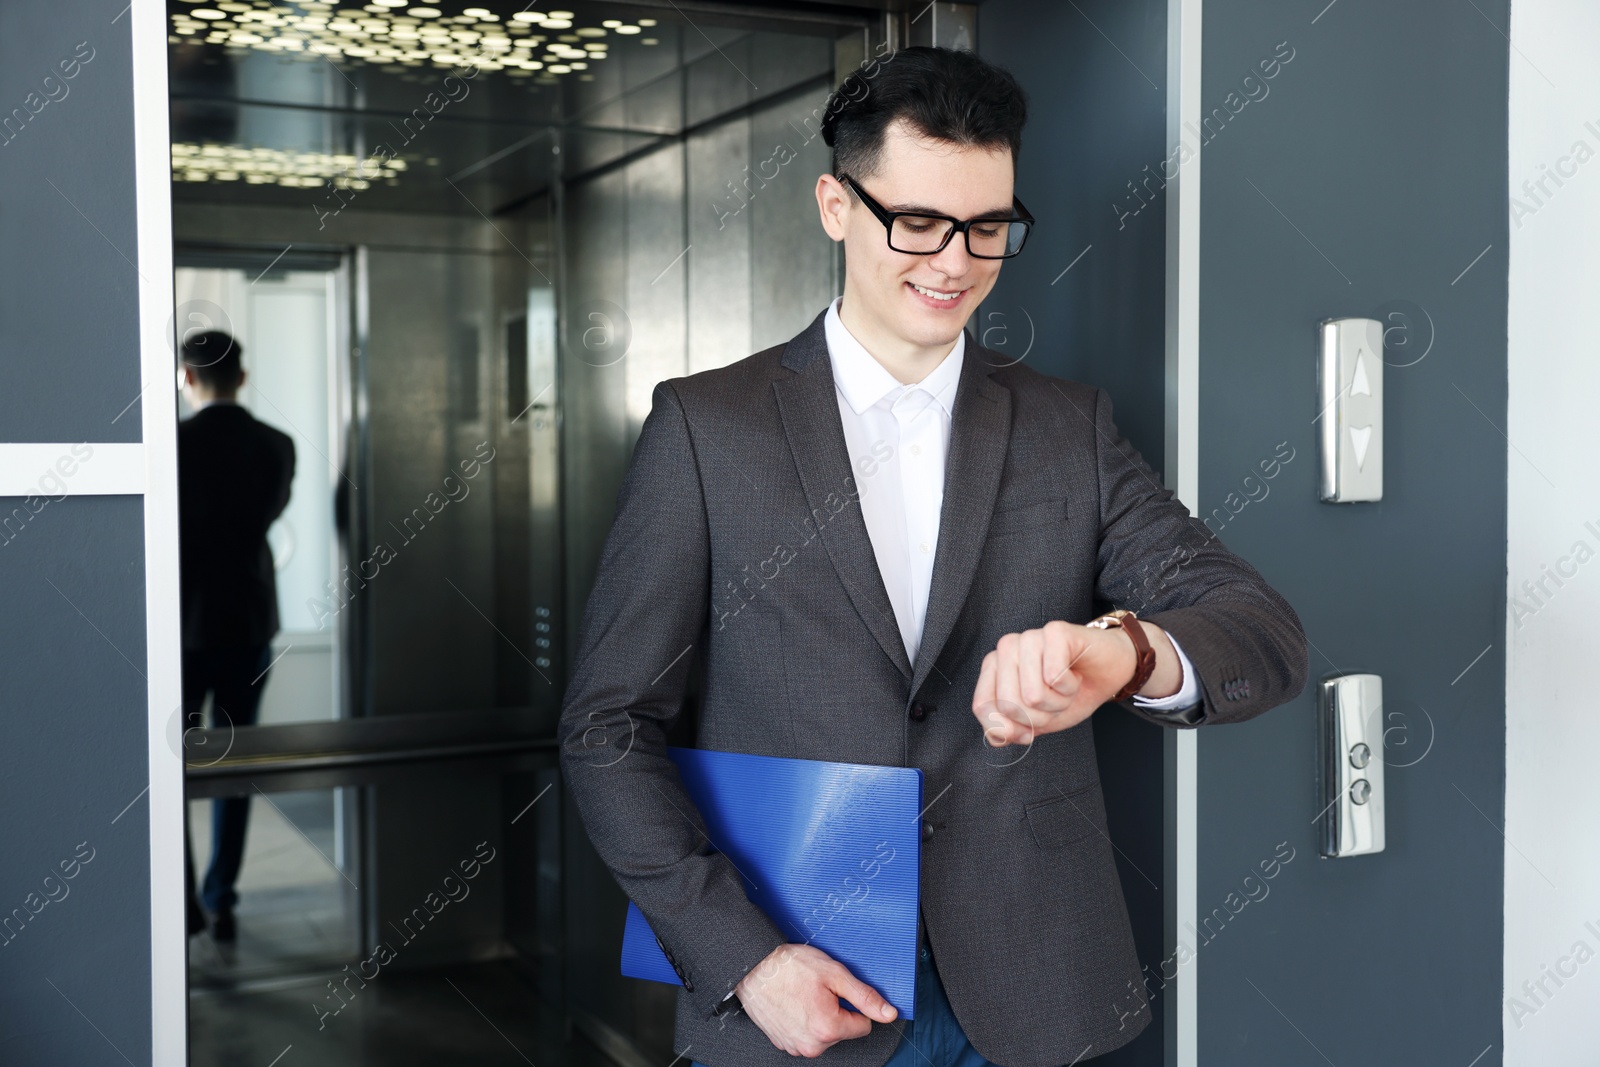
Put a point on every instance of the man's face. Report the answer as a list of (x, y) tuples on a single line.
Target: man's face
[(920, 301)]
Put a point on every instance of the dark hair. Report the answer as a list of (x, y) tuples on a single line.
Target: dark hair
[(213, 355), (943, 93)]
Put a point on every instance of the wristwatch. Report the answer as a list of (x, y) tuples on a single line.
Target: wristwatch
[(1145, 664)]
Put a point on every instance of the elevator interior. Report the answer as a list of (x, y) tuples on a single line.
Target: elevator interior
[(460, 245)]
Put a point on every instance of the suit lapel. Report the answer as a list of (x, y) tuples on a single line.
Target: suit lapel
[(809, 407), (980, 434)]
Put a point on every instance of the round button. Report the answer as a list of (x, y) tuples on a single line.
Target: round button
[(1360, 791), (918, 712), (1360, 755), (927, 830)]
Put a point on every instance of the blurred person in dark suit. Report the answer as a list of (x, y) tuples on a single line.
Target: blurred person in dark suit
[(233, 482)]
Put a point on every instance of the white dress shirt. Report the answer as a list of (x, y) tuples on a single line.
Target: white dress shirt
[(897, 436)]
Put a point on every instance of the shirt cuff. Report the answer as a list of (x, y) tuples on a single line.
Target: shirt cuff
[(1188, 693)]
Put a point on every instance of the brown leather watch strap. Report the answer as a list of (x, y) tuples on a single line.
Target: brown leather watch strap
[(1145, 656)]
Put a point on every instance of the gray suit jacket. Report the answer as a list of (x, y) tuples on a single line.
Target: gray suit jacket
[(739, 542)]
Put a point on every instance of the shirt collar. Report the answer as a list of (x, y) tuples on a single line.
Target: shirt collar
[(864, 381)]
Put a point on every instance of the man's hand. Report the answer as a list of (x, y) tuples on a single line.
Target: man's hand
[(793, 996), (1041, 681)]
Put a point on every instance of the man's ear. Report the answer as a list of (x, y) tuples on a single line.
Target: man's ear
[(833, 202)]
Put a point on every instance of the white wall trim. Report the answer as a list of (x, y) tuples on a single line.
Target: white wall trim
[(1550, 977), (169, 1018), (1183, 477), (57, 471)]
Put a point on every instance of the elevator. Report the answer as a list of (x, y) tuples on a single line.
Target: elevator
[(459, 246)]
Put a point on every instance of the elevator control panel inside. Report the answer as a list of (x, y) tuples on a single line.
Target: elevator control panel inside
[(1350, 750), (1350, 409)]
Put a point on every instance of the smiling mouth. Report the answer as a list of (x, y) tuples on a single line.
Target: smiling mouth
[(937, 294)]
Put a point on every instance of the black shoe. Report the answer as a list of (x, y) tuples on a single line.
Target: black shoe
[(196, 919), (222, 926)]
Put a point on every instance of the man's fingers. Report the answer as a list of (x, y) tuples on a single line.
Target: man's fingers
[(1058, 660), (1007, 693), (983, 694), (870, 1003), (1037, 692), (985, 705)]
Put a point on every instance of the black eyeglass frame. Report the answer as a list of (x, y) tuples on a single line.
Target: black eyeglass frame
[(887, 217)]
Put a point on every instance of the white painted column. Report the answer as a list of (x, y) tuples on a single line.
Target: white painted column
[(1182, 468), (1552, 865), (169, 1019)]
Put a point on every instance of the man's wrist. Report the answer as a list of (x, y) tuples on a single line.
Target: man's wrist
[(1145, 658), (1167, 679)]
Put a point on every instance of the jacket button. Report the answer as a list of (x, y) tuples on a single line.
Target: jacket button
[(919, 711), (927, 830)]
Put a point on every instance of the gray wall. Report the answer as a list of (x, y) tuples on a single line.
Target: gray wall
[(1094, 123), (1384, 141), (75, 953)]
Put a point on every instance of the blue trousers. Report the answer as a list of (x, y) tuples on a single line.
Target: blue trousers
[(933, 1038), (235, 679)]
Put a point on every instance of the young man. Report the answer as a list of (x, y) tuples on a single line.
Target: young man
[(885, 544), (234, 475)]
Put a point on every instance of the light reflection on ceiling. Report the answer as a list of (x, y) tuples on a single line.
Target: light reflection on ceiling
[(535, 47), (394, 34), (272, 166)]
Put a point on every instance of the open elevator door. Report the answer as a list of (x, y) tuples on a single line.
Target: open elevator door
[(550, 249)]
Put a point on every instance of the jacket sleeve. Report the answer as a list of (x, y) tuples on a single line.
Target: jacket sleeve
[(1158, 560), (647, 612)]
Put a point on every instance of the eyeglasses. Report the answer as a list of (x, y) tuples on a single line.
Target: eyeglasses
[(918, 234)]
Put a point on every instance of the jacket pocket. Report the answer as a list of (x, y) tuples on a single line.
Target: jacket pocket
[(1067, 818)]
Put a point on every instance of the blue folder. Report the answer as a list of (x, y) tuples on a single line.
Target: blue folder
[(830, 851)]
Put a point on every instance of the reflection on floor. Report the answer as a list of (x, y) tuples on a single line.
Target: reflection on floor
[(481, 1014), (295, 907), (266, 1000)]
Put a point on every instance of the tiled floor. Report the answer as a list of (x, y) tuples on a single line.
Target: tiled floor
[(480, 1014)]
